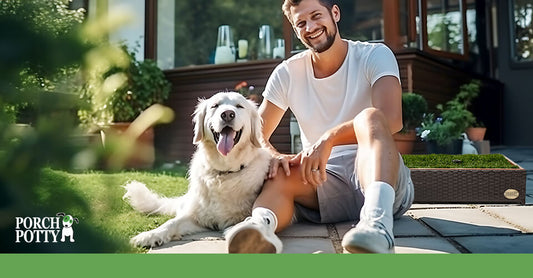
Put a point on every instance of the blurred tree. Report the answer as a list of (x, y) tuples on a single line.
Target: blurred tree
[(46, 53)]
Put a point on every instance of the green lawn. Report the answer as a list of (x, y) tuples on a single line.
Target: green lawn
[(95, 198)]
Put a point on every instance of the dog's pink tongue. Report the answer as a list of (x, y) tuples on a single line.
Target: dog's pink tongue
[(225, 143)]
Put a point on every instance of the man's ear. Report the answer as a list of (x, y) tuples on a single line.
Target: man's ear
[(336, 13), (198, 120)]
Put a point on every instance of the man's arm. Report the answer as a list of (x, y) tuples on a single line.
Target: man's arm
[(270, 118), (387, 97)]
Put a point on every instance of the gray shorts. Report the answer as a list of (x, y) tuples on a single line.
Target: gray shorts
[(340, 198)]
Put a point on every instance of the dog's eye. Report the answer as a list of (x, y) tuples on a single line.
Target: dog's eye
[(215, 106), (239, 106)]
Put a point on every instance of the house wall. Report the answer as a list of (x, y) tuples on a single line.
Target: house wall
[(518, 89)]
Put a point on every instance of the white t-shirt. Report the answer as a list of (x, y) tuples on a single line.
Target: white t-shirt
[(320, 104)]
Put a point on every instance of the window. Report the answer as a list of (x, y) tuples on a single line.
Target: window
[(522, 30), (187, 31), (444, 30)]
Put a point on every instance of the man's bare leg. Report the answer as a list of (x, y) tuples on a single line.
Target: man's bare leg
[(377, 170)]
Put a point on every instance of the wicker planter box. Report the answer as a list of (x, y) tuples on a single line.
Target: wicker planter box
[(462, 185)]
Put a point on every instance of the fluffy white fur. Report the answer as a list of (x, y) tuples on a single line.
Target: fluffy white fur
[(222, 188)]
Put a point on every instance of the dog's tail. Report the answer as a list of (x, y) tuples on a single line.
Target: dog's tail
[(144, 200)]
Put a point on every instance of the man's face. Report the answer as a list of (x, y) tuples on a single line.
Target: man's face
[(315, 25)]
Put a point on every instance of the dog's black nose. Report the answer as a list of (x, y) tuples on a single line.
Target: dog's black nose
[(228, 115)]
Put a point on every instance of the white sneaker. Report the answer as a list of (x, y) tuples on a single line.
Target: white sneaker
[(252, 236), (368, 237)]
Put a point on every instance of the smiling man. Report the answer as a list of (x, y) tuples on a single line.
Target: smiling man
[(346, 97)]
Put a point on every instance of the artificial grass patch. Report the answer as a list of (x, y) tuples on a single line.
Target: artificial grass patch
[(95, 198), (492, 161)]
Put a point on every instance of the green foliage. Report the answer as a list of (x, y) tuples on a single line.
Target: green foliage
[(146, 85), (494, 161), (56, 29), (454, 118), (139, 84), (444, 34), (414, 106), (46, 56)]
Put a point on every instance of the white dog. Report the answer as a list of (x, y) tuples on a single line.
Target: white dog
[(226, 173)]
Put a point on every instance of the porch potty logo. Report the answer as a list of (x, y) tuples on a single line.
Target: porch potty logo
[(45, 229)]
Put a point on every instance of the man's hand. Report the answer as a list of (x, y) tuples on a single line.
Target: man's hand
[(313, 163), (278, 160)]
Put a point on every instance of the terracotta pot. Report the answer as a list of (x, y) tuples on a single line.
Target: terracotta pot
[(476, 133), (143, 154), (405, 142)]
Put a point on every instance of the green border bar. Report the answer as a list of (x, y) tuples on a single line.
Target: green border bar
[(298, 265)]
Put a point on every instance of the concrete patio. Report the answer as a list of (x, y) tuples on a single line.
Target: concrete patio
[(426, 228)]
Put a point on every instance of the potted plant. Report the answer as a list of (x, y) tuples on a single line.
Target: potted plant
[(443, 133), (143, 85), (414, 106), (467, 93)]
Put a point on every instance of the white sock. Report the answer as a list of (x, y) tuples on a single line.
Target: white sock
[(379, 199), (267, 216)]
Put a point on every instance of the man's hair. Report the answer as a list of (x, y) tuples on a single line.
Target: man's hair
[(287, 4)]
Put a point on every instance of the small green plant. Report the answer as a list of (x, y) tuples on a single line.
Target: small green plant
[(414, 106), (146, 85), (141, 84), (454, 117)]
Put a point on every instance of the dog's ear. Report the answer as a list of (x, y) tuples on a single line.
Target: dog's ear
[(255, 122), (198, 120)]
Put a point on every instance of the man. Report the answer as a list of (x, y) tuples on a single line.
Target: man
[(346, 97)]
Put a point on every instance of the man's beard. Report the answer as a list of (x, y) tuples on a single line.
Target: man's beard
[(321, 47)]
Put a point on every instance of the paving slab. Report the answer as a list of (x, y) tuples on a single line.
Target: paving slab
[(305, 230), (344, 227), (191, 247), (209, 235), (515, 153), (519, 216), (463, 222), (498, 244), (307, 246), (424, 245), (528, 165), (405, 226)]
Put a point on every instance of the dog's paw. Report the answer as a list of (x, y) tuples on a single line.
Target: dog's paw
[(150, 239)]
